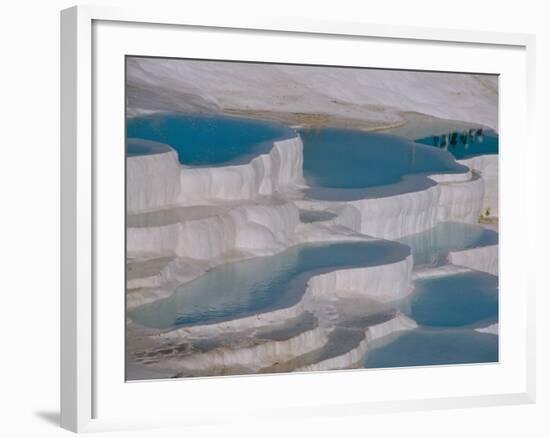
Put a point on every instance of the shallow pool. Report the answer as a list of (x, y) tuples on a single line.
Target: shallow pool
[(205, 139), (468, 298), (431, 247), (447, 310), (432, 347), (261, 284), (344, 164)]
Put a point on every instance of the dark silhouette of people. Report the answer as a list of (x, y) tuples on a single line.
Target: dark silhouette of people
[(452, 138)]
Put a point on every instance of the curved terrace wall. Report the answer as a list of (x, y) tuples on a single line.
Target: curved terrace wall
[(250, 358), (253, 228), (396, 216), (483, 259), (487, 166), (152, 181), (263, 175), (159, 180), (384, 283)]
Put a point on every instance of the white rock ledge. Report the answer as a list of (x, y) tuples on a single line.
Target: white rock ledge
[(384, 283), (394, 325), (353, 357), (251, 358), (347, 360), (255, 228), (483, 259), (455, 197), (159, 180), (439, 271), (263, 175), (152, 181), (487, 166)]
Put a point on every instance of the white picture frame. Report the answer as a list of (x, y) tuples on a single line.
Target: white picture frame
[(89, 399)]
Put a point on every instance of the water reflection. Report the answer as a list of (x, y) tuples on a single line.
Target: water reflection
[(465, 143), (466, 138)]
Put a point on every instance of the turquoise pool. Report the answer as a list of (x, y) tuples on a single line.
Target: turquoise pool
[(457, 300), (432, 347), (261, 284), (344, 164), (206, 139), (447, 310)]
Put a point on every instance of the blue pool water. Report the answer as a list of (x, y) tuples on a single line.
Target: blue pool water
[(431, 247), (430, 347), (463, 145), (346, 164), (261, 284), (207, 140), (454, 300), (447, 310)]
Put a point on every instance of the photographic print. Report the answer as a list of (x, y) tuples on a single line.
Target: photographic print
[(287, 218)]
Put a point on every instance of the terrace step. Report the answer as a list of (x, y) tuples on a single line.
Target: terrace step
[(232, 353), (341, 341), (346, 343)]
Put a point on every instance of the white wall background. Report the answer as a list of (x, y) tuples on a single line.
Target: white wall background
[(29, 219)]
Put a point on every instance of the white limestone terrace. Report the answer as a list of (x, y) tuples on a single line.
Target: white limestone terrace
[(396, 216), (413, 204), (180, 243), (301, 335), (301, 345), (250, 159), (270, 341), (185, 221), (281, 286), (192, 240), (487, 167), (309, 341)]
